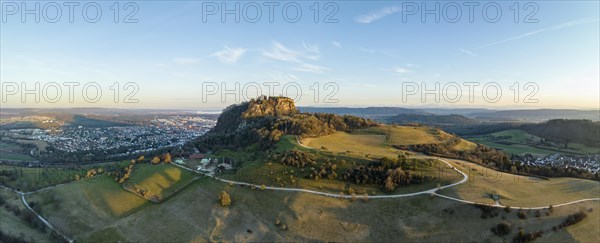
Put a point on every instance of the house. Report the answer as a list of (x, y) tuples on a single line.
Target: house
[(207, 165), (224, 166), (179, 162), (197, 156)]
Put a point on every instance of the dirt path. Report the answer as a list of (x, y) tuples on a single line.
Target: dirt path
[(425, 192), (24, 201)]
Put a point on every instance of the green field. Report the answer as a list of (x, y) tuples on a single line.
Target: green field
[(32, 178), (13, 225), (195, 216), (40, 145), (86, 206), (13, 152), (516, 141), (8, 147), (519, 191), (15, 156), (100, 210), (161, 180), (376, 141), (347, 150)]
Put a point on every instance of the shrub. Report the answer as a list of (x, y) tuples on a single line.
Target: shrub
[(573, 219), (224, 199), (502, 229), (527, 237)]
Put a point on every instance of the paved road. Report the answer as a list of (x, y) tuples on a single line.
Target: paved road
[(432, 191), (425, 192), (429, 192), (24, 201)]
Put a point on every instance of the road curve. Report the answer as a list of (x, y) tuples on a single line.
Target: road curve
[(343, 196), (22, 195)]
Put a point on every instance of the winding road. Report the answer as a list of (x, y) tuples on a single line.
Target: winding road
[(432, 191), (24, 201)]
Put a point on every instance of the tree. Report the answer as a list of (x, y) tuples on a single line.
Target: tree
[(224, 199), (167, 158), (389, 184), (155, 160), (502, 229)]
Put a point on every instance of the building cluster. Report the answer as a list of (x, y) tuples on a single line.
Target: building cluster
[(588, 162), (158, 133), (209, 165)]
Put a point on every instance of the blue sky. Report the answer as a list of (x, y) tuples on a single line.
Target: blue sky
[(370, 53)]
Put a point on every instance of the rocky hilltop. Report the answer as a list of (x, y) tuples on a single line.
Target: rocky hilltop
[(270, 106), (262, 121)]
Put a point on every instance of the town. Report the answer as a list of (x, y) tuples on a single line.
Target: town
[(589, 163), (158, 132)]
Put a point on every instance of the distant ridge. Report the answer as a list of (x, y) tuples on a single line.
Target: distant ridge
[(538, 115), (366, 112), (440, 120)]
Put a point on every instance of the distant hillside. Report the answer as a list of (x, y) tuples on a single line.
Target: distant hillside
[(367, 112), (457, 111), (440, 120), (538, 115), (565, 131), (94, 122)]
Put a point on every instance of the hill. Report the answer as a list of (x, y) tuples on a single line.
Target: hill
[(262, 122), (366, 112), (429, 119), (565, 131), (538, 115)]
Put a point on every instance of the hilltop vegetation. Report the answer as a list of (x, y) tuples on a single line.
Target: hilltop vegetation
[(566, 131), (262, 135), (431, 119), (263, 121)]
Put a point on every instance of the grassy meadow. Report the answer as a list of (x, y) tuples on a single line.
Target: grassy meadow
[(516, 190), (517, 141), (257, 215), (161, 180)]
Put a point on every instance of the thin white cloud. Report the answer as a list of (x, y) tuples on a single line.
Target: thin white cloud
[(556, 27), (281, 53), (470, 53), (400, 70), (311, 51), (336, 44), (410, 65), (230, 55), (375, 15), (310, 68), (283, 77), (186, 60)]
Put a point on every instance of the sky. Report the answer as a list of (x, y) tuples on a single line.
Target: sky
[(189, 55)]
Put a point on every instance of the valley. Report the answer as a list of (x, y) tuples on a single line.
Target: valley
[(345, 185)]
